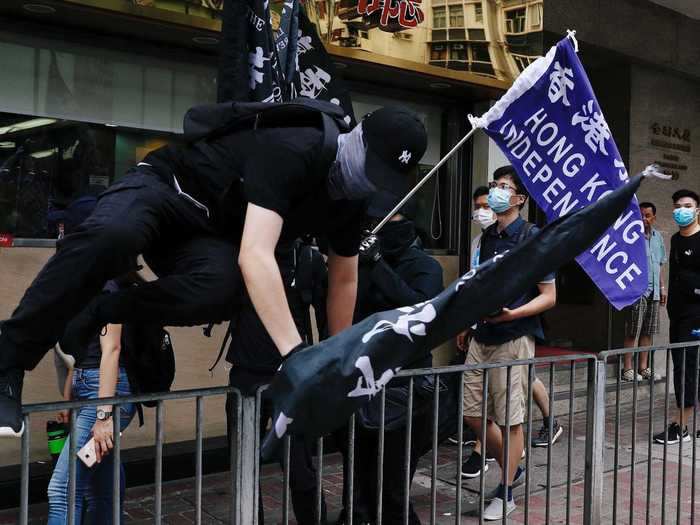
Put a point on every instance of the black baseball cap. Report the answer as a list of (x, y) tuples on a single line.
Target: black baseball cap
[(396, 141)]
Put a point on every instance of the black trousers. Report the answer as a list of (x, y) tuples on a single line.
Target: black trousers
[(365, 488), (199, 280), (685, 384)]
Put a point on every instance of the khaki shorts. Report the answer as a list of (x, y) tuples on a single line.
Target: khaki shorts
[(521, 348)]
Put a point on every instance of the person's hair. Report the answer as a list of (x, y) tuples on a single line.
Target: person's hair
[(510, 173), (480, 192), (685, 193), (648, 205)]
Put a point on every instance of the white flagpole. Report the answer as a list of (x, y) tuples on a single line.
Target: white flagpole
[(424, 180)]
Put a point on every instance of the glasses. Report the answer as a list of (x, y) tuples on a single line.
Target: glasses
[(502, 185)]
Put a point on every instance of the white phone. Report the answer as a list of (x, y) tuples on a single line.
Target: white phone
[(87, 453)]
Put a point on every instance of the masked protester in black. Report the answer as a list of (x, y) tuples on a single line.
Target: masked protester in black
[(255, 360), (394, 271), (207, 217)]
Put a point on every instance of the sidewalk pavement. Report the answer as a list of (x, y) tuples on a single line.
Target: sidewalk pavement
[(633, 476)]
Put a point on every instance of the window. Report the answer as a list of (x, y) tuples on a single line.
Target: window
[(515, 21), (364, 34), (523, 61), (480, 53), (477, 34), (438, 52), (458, 52), (46, 164), (456, 16), (439, 17), (536, 15), (478, 13)]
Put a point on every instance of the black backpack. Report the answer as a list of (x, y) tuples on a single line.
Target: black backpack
[(149, 359)]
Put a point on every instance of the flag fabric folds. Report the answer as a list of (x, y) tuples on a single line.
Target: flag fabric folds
[(317, 389), (552, 130)]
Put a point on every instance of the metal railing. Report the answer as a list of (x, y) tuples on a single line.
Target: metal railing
[(590, 404)]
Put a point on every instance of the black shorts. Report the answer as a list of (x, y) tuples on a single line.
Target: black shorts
[(685, 362)]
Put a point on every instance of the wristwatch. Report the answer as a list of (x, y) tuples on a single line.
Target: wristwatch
[(102, 415)]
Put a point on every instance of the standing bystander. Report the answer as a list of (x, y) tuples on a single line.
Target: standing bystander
[(684, 311), (643, 316)]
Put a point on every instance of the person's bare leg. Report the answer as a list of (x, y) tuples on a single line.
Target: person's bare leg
[(630, 342), (644, 340), (493, 434), (541, 396), (685, 415), (515, 450)]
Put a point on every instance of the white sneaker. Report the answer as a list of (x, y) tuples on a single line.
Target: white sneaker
[(494, 511), (646, 374), (631, 376)]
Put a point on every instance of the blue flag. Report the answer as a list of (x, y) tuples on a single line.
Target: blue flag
[(552, 130)]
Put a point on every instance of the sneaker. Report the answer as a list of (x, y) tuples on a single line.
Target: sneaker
[(630, 376), (543, 439), (674, 435), (11, 421), (468, 438), (471, 468), (490, 459), (494, 511), (648, 376), (518, 479)]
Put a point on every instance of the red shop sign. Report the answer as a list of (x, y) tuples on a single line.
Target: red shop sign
[(6, 240)]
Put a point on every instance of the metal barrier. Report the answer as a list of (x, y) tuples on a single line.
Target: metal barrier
[(535, 503), (680, 351)]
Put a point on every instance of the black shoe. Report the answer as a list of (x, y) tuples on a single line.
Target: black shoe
[(674, 435), (471, 468), (543, 439), (11, 421), (468, 438)]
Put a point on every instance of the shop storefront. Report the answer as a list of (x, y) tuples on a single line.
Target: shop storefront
[(90, 87)]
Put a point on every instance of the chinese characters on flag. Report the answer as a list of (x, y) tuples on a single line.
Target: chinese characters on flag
[(407, 12)]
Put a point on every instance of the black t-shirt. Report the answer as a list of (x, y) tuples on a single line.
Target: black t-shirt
[(93, 355), (684, 277), (280, 169)]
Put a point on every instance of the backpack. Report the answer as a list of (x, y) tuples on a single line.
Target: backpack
[(209, 121), (149, 360)]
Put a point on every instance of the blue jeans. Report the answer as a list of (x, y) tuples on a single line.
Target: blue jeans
[(92, 484)]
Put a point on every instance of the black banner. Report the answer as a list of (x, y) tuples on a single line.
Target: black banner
[(318, 389)]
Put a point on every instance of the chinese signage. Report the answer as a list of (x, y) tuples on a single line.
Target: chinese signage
[(674, 143), (405, 13)]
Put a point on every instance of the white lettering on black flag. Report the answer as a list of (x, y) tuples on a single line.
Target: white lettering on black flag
[(552, 130)]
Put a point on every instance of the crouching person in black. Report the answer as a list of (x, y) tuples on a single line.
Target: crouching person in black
[(394, 271), (207, 216), (255, 359)]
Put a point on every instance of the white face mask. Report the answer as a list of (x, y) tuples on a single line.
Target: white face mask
[(484, 218)]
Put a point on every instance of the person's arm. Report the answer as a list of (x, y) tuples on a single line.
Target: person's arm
[(261, 231), (110, 345), (342, 291), (423, 285), (546, 299), (662, 286), (63, 416)]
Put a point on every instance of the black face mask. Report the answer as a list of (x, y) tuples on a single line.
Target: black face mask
[(397, 236)]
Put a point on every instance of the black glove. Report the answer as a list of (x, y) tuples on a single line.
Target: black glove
[(369, 249), (297, 348)]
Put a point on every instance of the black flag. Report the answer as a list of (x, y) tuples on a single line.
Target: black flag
[(318, 389)]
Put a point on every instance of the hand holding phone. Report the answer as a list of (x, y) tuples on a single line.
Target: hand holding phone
[(87, 453)]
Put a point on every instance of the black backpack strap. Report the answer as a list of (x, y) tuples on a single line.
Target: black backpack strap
[(227, 337)]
